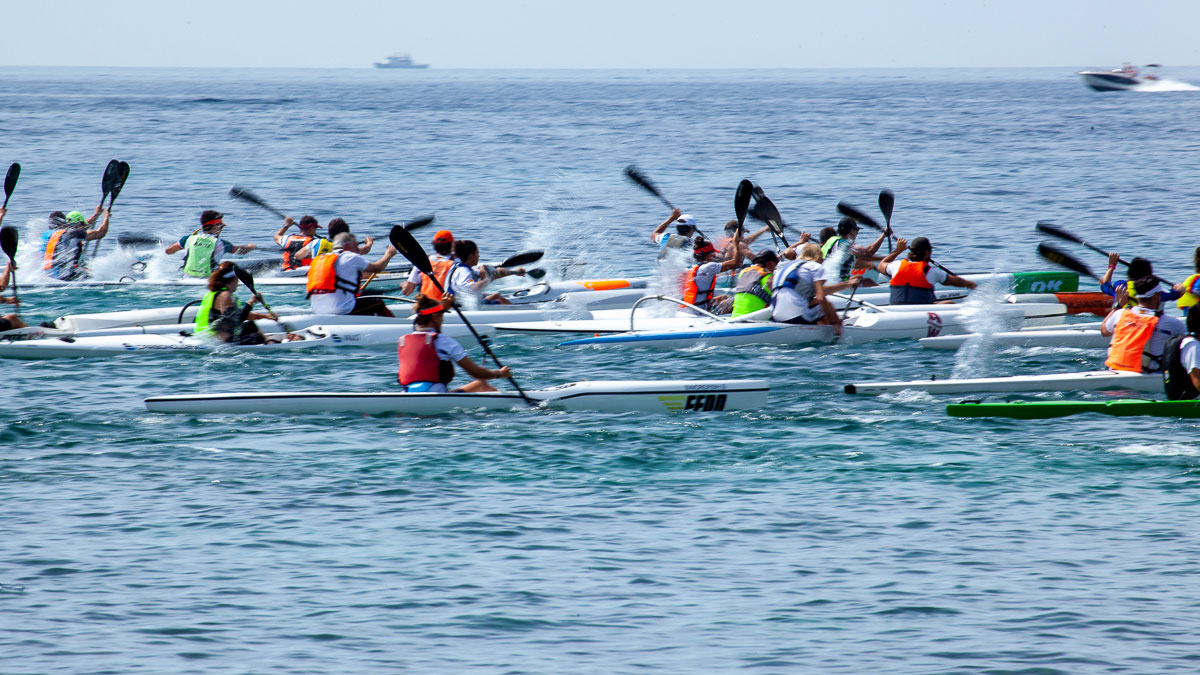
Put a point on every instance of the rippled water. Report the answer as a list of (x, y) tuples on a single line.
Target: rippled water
[(825, 533)]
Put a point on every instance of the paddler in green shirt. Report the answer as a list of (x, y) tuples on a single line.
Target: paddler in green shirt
[(752, 291)]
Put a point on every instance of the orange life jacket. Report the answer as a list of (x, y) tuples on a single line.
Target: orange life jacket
[(292, 246), (323, 278), (693, 294), (909, 285), (1129, 340), (419, 360), (441, 270)]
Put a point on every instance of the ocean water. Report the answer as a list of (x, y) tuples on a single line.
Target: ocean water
[(823, 533)]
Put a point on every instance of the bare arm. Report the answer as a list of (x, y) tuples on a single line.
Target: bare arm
[(381, 264), (751, 239), (101, 231), (95, 214), (479, 372), (665, 224), (1195, 375), (1112, 266), (364, 246), (955, 280), (735, 253), (901, 246), (174, 248), (279, 235), (244, 248)]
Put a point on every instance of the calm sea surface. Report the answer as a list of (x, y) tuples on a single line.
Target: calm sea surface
[(824, 533)]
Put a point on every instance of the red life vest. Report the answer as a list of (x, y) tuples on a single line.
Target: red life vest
[(419, 360), (292, 246), (1129, 340), (323, 278), (693, 294), (909, 285), (441, 270)]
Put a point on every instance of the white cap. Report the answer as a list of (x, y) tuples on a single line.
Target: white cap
[(686, 219), (1158, 288)]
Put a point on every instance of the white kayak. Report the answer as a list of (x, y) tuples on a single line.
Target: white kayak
[(1114, 380), (1082, 336), (602, 395), (107, 345), (860, 326), (189, 281)]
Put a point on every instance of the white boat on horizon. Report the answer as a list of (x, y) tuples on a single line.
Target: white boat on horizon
[(1125, 78), (400, 61)]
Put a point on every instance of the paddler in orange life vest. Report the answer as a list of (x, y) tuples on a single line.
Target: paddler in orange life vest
[(300, 249), (441, 261), (1140, 333), (427, 357), (913, 279), (700, 280), (63, 244), (334, 279)]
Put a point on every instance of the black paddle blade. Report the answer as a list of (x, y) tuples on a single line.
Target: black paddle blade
[(8, 242), (522, 258), (1064, 259), (851, 212), (1056, 231), (110, 175), (251, 198), (764, 210), (407, 245), (887, 202), (10, 180), (246, 278), (130, 240), (118, 182), (418, 223), (536, 274), (633, 174), (741, 200)]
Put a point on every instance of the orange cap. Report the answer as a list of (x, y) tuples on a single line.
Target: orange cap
[(443, 236)]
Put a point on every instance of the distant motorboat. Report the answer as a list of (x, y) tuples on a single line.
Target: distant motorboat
[(399, 61), (1124, 78)]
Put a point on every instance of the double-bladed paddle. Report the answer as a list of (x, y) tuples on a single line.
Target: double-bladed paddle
[(407, 245), (851, 212), (741, 201), (247, 280), (1058, 232), (8, 242), (10, 181), (1062, 258), (114, 178), (251, 198), (887, 202), (764, 210), (522, 258)]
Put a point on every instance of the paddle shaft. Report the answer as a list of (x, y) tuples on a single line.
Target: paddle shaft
[(482, 342)]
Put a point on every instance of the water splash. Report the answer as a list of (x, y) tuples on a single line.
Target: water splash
[(975, 357), (1165, 84)]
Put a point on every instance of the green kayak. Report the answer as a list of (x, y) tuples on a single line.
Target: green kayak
[(1038, 410)]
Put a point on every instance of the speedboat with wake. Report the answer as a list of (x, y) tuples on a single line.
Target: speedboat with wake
[(1125, 78)]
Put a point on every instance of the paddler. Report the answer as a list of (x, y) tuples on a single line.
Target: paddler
[(1189, 290), (685, 230), (724, 241), (62, 247), (204, 248), (224, 317), (467, 277), (1181, 362), (427, 357), (339, 225), (913, 279), (752, 290), (9, 321), (441, 261), (300, 249), (334, 279), (841, 251), (700, 280), (1120, 289), (1140, 333), (799, 294)]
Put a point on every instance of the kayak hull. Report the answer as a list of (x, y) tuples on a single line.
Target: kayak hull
[(1107, 380), (1040, 410), (598, 395), (1081, 339)]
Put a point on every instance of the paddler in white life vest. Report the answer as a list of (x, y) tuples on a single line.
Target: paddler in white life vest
[(9, 321), (1181, 362), (300, 249), (334, 279), (224, 317), (467, 277), (1140, 333), (700, 280), (427, 357), (685, 230), (441, 261), (913, 279), (204, 248), (62, 247), (1189, 290), (839, 250), (799, 294)]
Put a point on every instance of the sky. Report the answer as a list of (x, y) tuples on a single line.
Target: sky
[(604, 34)]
